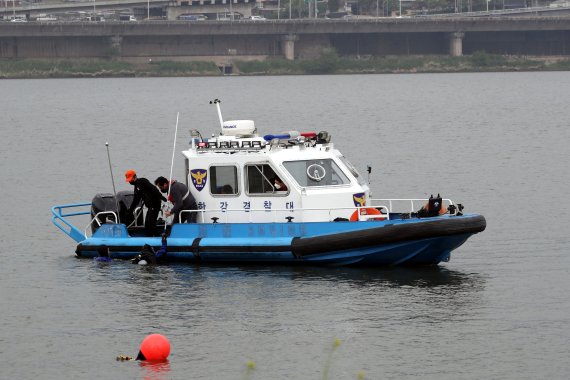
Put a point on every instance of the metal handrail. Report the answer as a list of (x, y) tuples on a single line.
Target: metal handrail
[(96, 218), (274, 212), (59, 217), (389, 208), (136, 215), (412, 208)]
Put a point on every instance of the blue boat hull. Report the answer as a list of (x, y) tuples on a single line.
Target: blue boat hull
[(374, 243)]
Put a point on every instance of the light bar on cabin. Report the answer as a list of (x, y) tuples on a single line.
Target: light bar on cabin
[(290, 135)]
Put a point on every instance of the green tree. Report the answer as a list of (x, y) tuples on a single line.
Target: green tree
[(327, 63), (333, 5)]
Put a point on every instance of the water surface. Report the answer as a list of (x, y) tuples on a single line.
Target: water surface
[(497, 143)]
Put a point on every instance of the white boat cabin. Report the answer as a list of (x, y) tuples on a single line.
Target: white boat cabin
[(232, 177)]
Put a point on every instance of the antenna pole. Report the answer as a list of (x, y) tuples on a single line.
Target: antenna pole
[(172, 161), (217, 103), (113, 181)]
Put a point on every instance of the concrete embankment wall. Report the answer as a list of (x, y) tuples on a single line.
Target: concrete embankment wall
[(151, 46), (291, 40), (53, 47), (547, 42)]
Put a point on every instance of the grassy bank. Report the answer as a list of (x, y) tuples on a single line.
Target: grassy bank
[(92, 68), (327, 63), (330, 63)]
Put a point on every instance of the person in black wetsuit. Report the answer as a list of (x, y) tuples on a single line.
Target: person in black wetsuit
[(151, 198), (149, 256)]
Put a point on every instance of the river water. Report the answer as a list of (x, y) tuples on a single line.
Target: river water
[(497, 143)]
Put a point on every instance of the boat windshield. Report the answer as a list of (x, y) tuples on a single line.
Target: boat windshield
[(323, 172), (353, 170)]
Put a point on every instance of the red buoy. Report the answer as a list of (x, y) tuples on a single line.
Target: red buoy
[(154, 347)]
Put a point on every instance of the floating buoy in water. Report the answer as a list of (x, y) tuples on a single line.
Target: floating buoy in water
[(154, 347)]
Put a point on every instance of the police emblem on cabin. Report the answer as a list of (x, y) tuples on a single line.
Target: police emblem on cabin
[(199, 178), (359, 199)]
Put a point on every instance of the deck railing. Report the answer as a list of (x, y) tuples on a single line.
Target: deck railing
[(97, 219), (415, 204), (59, 219), (274, 213), (60, 214)]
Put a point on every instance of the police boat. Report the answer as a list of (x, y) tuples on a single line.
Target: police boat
[(279, 199)]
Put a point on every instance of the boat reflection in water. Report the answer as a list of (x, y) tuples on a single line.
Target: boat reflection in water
[(417, 277), (430, 293)]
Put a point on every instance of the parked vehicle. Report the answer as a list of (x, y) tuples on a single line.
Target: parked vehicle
[(127, 18), (193, 17), (228, 16), (45, 18), (94, 18)]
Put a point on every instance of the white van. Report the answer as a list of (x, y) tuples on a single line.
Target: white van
[(18, 19), (45, 18)]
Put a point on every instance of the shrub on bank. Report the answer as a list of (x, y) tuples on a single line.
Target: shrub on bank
[(482, 59), (563, 64), (330, 63), (269, 66), (326, 63), (91, 66), (31, 68), (41, 68), (190, 68)]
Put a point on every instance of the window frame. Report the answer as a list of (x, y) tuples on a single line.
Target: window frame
[(347, 183), (352, 169), (237, 178), (275, 192)]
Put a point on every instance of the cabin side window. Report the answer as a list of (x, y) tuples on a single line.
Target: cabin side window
[(223, 180), (312, 173), (260, 179)]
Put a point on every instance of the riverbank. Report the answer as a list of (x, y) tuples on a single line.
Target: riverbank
[(327, 63)]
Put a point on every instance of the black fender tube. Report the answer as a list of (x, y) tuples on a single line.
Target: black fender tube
[(387, 234)]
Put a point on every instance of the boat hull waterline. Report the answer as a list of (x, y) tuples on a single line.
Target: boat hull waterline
[(415, 241)]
